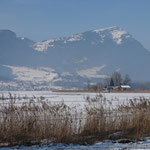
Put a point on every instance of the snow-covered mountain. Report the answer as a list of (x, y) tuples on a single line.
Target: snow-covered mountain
[(70, 61), (94, 37)]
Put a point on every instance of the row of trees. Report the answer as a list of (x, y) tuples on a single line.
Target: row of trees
[(115, 79)]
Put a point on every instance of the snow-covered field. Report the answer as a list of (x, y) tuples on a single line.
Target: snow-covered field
[(79, 100), (107, 145), (76, 98)]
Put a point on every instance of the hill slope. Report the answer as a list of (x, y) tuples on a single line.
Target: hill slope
[(71, 61)]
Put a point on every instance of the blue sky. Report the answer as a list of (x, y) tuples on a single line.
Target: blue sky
[(45, 19)]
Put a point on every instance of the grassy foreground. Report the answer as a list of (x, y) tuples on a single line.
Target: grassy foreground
[(36, 120)]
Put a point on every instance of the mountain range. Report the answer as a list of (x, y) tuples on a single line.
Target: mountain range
[(70, 62)]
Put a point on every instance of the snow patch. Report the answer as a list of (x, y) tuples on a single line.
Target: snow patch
[(11, 83), (74, 38), (99, 30), (43, 46), (117, 34), (35, 75), (102, 38), (64, 74), (92, 72)]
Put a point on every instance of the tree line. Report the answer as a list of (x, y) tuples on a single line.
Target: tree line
[(115, 79)]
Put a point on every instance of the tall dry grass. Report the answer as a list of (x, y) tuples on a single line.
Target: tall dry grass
[(32, 121), (135, 118), (36, 119)]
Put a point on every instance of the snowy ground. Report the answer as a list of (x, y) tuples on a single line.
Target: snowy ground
[(79, 99), (107, 145)]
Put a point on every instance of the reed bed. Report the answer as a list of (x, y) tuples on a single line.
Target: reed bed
[(36, 120)]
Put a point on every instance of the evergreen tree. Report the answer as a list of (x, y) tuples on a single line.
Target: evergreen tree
[(111, 82)]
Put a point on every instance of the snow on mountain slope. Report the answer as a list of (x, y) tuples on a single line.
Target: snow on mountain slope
[(92, 72), (76, 37), (43, 46), (35, 75), (115, 33), (75, 59)]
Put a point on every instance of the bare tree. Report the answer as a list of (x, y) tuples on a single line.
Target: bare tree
[(106, 82), (100, 86), (116, 76), (95, 87), (127, 79)]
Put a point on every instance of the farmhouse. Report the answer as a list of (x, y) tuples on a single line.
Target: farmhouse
[(118, 88), (125, 87)]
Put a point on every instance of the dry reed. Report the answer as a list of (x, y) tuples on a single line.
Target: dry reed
[(37, 119)]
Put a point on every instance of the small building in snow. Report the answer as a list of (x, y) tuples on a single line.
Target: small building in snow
[(125, 87), (117, 88)]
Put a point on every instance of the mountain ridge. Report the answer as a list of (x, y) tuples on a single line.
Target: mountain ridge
[(115, 31), (70, 62)]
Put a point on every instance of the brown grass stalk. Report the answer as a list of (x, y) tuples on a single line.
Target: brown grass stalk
[(36, 119)]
